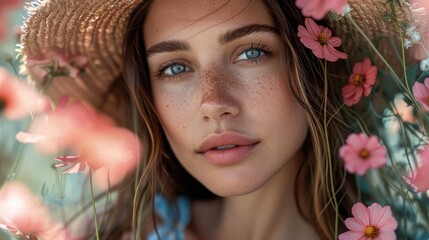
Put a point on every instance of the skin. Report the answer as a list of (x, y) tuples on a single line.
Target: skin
[(239, 86)]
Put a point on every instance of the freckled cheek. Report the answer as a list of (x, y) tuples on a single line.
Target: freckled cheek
[(271, 103), (174, 108), (267, 90)]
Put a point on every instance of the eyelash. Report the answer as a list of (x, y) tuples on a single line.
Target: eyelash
[(257, 46), (161, 69)]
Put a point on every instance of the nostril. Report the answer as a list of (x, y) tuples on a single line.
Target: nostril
[(217, 111), (225, 114)]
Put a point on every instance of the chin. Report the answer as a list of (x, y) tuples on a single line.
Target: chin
[(234, 188)]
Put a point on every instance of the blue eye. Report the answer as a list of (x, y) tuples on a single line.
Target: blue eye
[(250, 54), (175, 68)]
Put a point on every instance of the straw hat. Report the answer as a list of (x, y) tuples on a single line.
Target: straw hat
[(90, 28), (95, 29)]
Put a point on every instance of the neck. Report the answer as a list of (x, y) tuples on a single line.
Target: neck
[(267, 213)]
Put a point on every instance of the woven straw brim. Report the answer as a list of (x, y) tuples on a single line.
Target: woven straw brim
[(382, 22), (95, 29), (92, 28)]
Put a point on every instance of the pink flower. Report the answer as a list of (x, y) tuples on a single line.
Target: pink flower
[(110, 148), (372, 223), (419, 179), (17, 99), (55, 63), (421, 93), (319, 39), (90, 139), (24, 215), (404, 110), (317, 9), (360, 82), (362, 152), (5, 7)]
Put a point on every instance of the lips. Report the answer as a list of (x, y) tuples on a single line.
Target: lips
[(226, 148)]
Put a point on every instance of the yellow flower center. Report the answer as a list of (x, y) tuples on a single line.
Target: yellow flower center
[(371, 232), (323, 39), (359, 80), (364, 153)]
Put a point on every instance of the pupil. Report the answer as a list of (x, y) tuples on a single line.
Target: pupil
[(254, 53), (177, 69)]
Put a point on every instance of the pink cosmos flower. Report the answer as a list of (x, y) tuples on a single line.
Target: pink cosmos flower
[(362, 152), (111, 149), (317, 9), (419, 179), (5, 7), (319, 39), (404, 110), (25, 216), (91, 140), (372, 223), (17, 99), (55, 63), (421, 93), (360, 82)]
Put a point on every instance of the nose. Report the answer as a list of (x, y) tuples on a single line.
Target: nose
[(217, 101)]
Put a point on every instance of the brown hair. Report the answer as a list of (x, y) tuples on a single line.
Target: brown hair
[(330, 192)]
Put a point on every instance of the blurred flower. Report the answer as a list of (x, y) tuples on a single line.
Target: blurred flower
[(420, 11), (419, 179), (360, 82), (24, 215), (5, 7), (374, 222), (91, 141), (17, 99), (55, 63), (318, 9), (362, 152), (412, 36), (55, 128), (113, 148), (424, 65), (403, 109), (319, 39), (421, 93), (25, 137)]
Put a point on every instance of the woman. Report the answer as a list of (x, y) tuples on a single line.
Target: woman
[(231, 107), (231, 76)]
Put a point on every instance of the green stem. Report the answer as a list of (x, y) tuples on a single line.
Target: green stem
[(350, 18), (403, 62), (84, 208), (59, 183), (328, 150), (93, 205), (410, 94)]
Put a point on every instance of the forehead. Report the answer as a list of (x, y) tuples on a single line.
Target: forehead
[(179, 19)]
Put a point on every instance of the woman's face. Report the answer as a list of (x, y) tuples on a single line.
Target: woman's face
[(220, 87)]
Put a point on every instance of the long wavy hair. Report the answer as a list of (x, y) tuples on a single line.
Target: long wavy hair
[(323, 190)]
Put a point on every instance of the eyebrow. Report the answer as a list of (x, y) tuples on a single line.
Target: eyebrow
[(177, 45), (168, 46), (246, 30)]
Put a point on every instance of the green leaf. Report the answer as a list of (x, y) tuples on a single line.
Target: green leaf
[(412, 74)]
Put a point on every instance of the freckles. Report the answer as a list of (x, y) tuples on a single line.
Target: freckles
[(175, 101), (264, 92), (173, 108), (215, 85)]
